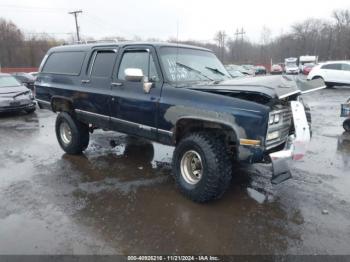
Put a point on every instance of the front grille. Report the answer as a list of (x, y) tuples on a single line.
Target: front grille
[(283, 126)]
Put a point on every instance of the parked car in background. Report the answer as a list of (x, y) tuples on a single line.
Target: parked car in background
[(307, 68), (332, 73), (276, 69), (307, 60), (250, 69), (26, 79), (235, 73), (260, 70), (14, 96), (291, 66), (241, 69)]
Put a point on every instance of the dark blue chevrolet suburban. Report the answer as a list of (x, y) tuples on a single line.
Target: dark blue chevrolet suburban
[(176, 95)]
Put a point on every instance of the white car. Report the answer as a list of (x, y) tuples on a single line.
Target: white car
[(333, 73)]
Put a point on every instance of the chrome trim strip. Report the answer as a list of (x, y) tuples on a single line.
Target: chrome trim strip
[(165, 132), (145, 127), (43, 101), (90, 113)]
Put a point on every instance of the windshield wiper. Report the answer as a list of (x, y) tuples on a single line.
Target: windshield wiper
[(215, 70), (194, 70)]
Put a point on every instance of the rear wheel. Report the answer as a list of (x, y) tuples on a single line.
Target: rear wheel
[(202, 167), (346, 125), (72, 135)]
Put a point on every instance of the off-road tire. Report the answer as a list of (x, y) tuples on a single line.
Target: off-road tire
[(346, 125), (79, 134), (217, 166)]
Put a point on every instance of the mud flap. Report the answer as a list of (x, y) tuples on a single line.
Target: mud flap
[(280, 171)]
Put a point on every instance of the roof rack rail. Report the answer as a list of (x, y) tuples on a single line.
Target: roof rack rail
[(82, 42)]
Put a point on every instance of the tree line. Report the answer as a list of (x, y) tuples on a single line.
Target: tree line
[(16, 50), (329, 39)]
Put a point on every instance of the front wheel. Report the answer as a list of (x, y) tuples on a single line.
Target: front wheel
[(72, 135), (202, 166)]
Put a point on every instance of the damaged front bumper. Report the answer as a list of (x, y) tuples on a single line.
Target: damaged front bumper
[(295, 147)]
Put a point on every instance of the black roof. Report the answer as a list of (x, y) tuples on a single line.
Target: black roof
[(87, 47)]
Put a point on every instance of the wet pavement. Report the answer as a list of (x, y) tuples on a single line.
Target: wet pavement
[(119, 197)]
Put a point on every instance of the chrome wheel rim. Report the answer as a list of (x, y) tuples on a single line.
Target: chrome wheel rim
[(65, 133), (191, 167)]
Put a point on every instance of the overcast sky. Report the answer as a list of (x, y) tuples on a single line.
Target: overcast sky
[(197, 20)]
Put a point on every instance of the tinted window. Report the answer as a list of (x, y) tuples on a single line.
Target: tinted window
[(332, 66), (103, 63), (66, 63), (138, 59), (345, 67)]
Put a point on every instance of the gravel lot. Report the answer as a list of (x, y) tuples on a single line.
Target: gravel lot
[(119, 197)]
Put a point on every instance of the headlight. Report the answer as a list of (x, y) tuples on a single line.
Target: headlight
[(274, 118), (273, 135)]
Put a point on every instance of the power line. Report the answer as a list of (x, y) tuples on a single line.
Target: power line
[(34, 8), (75, 13)]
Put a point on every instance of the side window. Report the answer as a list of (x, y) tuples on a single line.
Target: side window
[(138, 59), (65, 63), (102, 63), (345, 67), (332, 66)]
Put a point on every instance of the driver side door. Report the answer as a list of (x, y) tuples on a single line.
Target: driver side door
[(134, 111)]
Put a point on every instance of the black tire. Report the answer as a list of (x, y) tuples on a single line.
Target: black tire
[(216, 166), (30, 110), (346, 125), (329, 85), (79, 134)]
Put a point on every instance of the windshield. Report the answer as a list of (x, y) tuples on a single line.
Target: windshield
[(291, 64), (6, 81), (191, 65)]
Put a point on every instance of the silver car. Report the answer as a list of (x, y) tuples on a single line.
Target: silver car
[(14, 96)]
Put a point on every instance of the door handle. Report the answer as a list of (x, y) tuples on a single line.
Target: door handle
[(85, 81), (116, 84)]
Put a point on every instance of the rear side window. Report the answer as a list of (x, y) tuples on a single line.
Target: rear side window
[(102, 64), (345, 67), (65, 63), (332, 66)]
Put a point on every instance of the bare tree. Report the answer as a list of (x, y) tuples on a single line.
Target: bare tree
[(220, 37)]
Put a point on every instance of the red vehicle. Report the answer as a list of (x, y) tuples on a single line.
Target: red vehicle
[(307, 69), (276, 69)]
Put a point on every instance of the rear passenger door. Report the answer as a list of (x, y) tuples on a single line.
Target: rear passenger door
[(135, 111), (332, 73), (97, 84), (346, 73)]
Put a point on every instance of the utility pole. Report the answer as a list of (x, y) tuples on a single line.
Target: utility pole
[(241, 33), (75, 13)]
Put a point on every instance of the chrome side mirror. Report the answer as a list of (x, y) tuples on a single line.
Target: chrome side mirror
[(133, 74)]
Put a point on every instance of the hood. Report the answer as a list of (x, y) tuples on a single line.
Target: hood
[(272, 86), (13, 90)]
